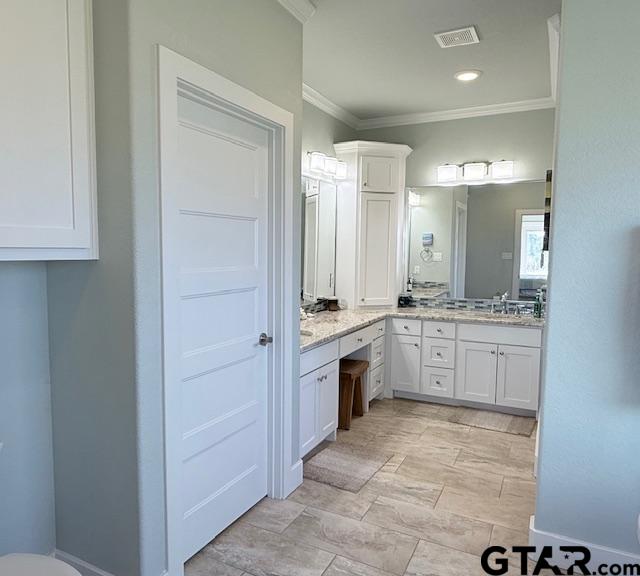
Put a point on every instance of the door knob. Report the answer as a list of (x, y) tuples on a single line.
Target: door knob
[(264, 339)]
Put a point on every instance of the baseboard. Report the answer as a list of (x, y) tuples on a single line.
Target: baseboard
[(294, 478), (599, 554), (81, 566)]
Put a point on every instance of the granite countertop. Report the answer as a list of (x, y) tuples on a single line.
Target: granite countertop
[(327, 326)]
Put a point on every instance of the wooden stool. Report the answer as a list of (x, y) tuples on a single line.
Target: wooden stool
[(351, 393)]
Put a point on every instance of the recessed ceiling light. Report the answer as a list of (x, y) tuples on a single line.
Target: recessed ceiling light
[(468, 75)]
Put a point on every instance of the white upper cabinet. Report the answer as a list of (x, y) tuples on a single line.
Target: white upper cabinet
[(378, 218), (370, 223), (379, 174), (47, 143), (518, 377)]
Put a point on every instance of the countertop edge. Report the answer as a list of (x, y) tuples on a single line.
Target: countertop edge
[(413, 316)]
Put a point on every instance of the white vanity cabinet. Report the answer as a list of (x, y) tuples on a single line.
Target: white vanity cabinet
[(471, 363), (370, 223), (518, 377), (476, 372), (319, 386), (47, 143)]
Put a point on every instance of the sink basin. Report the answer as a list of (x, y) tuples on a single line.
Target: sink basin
[(306, 333)]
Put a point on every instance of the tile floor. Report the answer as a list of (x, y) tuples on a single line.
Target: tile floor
[(448, 491)]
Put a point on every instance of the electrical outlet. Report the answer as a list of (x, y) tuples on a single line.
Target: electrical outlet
[(416, 269), (507, 255)]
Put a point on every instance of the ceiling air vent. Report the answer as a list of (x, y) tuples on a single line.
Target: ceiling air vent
[(460, 37)]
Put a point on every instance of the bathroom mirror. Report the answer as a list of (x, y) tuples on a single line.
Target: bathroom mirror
[(476, 241), (318, 238)]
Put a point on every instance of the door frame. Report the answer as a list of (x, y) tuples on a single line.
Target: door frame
[(517, 245), (459, 251), (284, 467)]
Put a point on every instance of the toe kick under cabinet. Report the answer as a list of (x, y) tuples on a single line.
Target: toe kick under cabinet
[(466, 363)]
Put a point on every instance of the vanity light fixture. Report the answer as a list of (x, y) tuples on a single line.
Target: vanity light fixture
[(474, 171), (341, 170), (447, 173), (330, 165), (468, 75), (414, 199), (502, 169), (316, 161)]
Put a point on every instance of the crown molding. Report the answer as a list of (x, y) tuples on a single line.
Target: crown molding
[(457, 114), (301, 9), (365, 147), (319, 101)]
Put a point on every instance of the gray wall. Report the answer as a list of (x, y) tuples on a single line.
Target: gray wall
[(26, 457), (526, 137), (589, 475), (320, 131), (91, 326), (105, 316), (491, 231), (433, 215)]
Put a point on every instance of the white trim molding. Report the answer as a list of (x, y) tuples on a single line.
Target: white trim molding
[(457, 113), (323, 103), (599, 554), (302, 10), (80, 565), (553, 28)]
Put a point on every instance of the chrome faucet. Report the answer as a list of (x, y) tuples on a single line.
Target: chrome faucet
[(505, 303)]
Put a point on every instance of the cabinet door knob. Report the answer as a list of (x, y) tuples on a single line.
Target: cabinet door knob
[(439, 354), (417, 345), (501, 353), (438, 382), (493, 352)]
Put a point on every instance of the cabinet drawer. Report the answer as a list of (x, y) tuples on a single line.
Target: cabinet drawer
[(439, 329), (376, 382), (377, 329), (438, 352), (352, 342), (511, 335), (404, 326), (437, 382), (317, 357), (377, 352)]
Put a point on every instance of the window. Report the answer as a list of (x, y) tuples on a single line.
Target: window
[(533, 263)]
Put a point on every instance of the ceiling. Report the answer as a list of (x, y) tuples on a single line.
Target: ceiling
[(378, 58)]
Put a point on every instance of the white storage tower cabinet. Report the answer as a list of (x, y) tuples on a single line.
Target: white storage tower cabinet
[(370, 223)]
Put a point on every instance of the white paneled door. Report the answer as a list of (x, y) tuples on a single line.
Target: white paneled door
[(222, 259), (228, 284)]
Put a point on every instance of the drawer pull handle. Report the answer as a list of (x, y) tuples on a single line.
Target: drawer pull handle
[(493, 352), (406, 327), (439, 354), (438, 382), (439, 330), (417, 345), (359, 339)]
